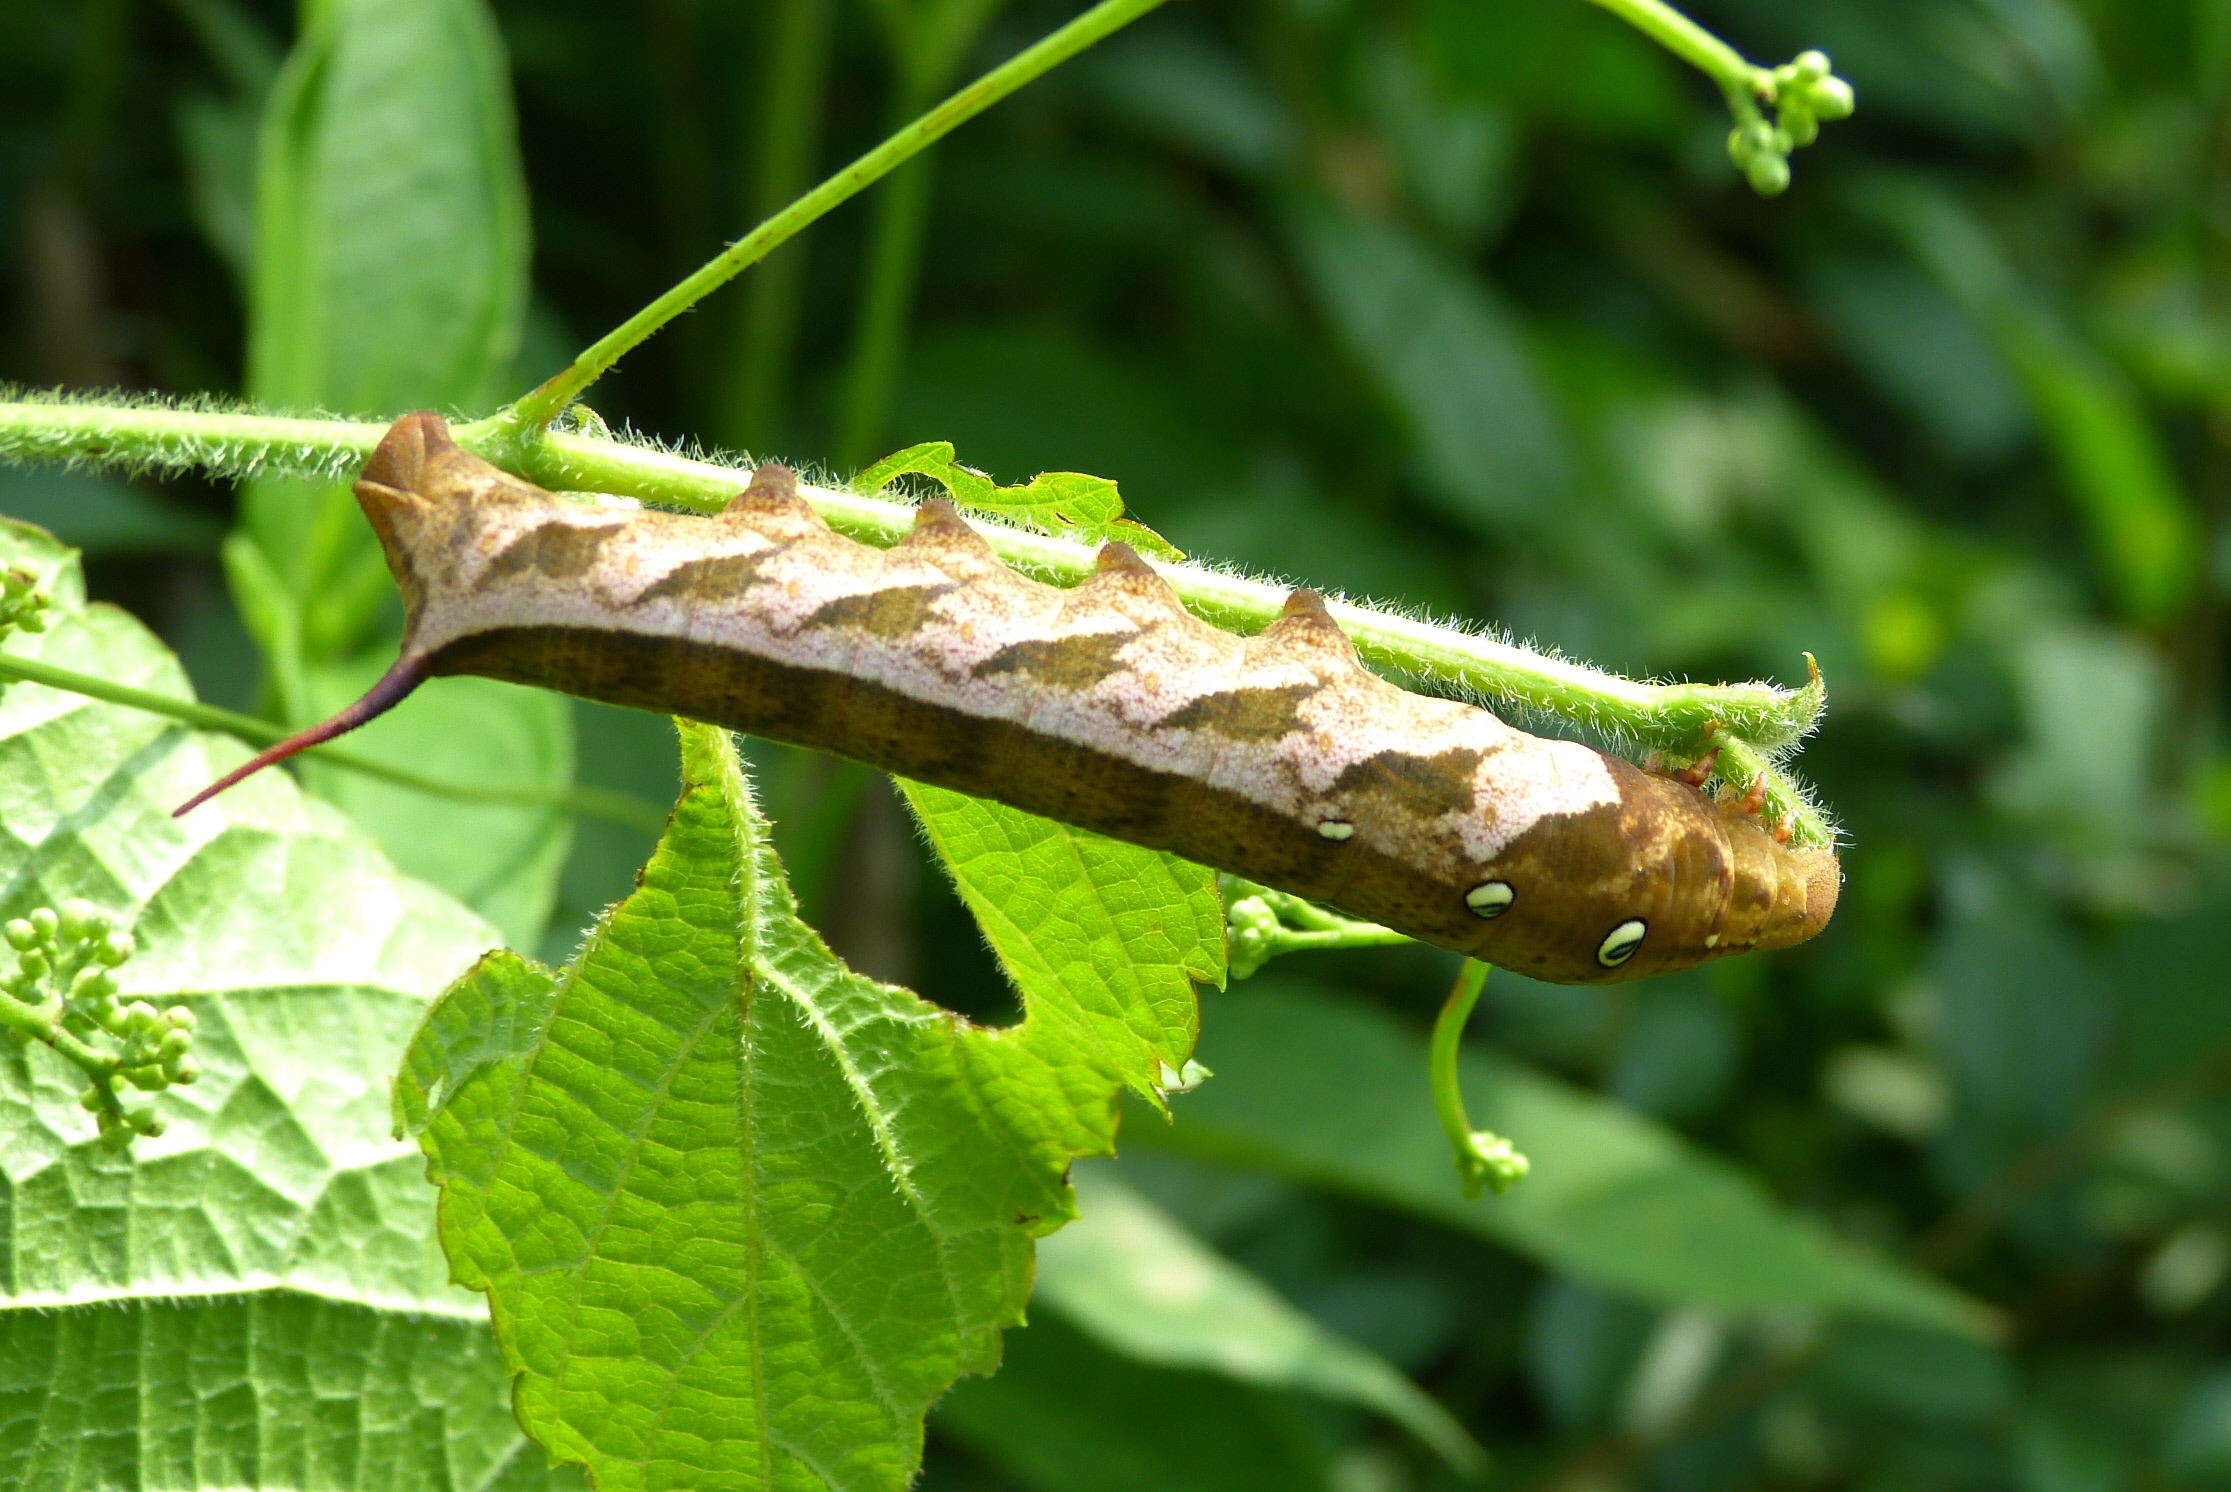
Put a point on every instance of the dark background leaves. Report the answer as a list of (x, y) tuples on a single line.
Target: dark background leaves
[(1458, 303)]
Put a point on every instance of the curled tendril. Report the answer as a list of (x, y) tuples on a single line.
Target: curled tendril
[(1805, 93), (63, 992)]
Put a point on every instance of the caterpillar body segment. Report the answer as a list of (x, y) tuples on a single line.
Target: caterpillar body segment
[(1278, 757)]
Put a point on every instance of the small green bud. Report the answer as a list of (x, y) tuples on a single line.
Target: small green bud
[(1768, 174), (146, 1079), (145, 1120), (117, 948), (34, 964), (1832, 99), (90, 1100), (114, 1137), (181, 1018), (81, 919), (185, 1071), (1810, 66), (45, 920), (175, 1044), (21, 934), (139, 1016)]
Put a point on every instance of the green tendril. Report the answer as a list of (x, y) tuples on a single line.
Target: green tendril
[(1483, 1158), (63, 992), (1263, 924)]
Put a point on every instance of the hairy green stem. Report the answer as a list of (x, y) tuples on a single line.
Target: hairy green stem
[(590, 802), (1483, 1159), (1682, 720), (543, 404)]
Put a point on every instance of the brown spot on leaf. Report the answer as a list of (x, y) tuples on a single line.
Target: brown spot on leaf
[(1075, 663), (719, 578), (1245, 714), (894, 611), (557, 549), (1422, 786)]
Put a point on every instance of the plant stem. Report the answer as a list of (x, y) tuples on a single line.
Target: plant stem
[(591, 802), (1676, 718), (790, 134), (1693, 44), (543, 404), (1482, 1159)]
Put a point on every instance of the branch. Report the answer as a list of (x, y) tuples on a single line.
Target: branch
[(1751, 726)]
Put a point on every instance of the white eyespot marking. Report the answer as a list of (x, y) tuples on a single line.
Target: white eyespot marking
[(1491, 899), (1336, 830), (1620, 943)]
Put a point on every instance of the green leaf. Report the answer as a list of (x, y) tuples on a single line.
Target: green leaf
[(1107, 938), (1087, 509), (1332, 1092), (1130, 1276), (1452, 361), (256, 1297), (391, 274), (742, 1214), (1066, 1415), (391, 233)]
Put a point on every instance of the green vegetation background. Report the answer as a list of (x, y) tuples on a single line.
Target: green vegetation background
[(1457, 304)]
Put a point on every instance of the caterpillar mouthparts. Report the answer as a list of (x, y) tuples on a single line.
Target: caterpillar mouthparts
[(1278, 757)]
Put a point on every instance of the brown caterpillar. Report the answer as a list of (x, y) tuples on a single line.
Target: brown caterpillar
[(1109, 706)]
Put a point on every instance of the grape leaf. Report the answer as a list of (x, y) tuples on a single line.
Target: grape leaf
[(256, 1297), (741, 1213), (1085, 508), (1108, 938), (1330, 1091)]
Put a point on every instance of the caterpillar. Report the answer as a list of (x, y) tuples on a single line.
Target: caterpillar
[(1279, 757)]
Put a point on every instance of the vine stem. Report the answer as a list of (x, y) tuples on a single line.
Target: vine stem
[(1694, 45), (1482, 1159), (1679, 719), (543, 404), (590, 802)]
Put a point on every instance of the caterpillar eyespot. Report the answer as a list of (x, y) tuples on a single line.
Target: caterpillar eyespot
[(1490, 898), (1620, 943), (1107, 706)]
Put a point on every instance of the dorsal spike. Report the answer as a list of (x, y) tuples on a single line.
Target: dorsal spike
[(1304, 602), (393, 688), (1118, 558), (939, 512), (773, 495)]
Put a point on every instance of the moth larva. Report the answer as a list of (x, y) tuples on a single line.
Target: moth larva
[(1278, 757)]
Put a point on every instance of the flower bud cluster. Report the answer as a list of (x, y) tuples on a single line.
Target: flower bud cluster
[(66, 963), (1805, 94), (23, 602), (1256, 934)]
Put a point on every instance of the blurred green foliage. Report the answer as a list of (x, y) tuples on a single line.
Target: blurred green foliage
[(1458, 304)]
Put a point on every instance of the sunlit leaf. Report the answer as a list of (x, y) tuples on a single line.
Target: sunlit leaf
[(742, 1214), (255, 1297)]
